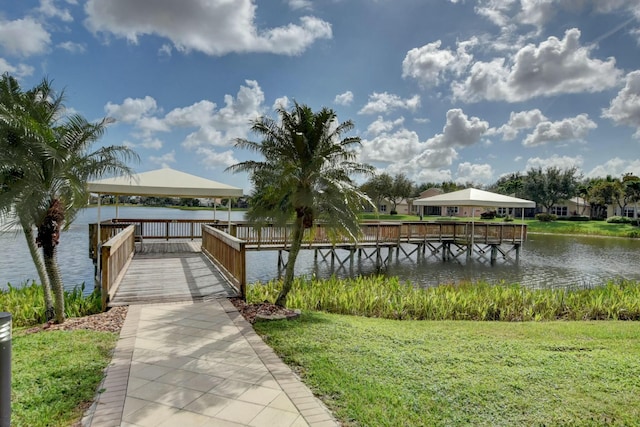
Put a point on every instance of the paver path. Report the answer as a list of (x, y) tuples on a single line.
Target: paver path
[(199, 364)]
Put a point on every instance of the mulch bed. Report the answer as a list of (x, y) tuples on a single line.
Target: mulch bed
[(263, 311), (109, 321), (113, 319)]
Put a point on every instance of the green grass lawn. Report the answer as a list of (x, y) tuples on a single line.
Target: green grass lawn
[(378, 372), (55, 374), (596, 228)]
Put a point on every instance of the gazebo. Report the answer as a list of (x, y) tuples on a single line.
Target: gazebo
[(475, 198), (164, 182)]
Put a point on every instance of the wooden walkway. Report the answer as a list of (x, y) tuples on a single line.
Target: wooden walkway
[(170, 272)]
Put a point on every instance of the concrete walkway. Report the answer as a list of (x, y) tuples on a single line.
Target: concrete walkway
[(199, 364)]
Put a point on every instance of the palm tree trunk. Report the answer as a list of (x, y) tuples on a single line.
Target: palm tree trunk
[(42, 272), (51, 264), (298, 233)]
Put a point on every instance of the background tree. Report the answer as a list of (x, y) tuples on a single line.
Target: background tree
[(304, 176), (57, 163), (376, 187), (550, 186), (511, 185), (631, 185), (401, 188)]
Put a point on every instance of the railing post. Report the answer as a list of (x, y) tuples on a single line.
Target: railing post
[(5, 369), (104, 275)]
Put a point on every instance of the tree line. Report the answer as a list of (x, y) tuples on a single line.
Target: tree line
[(546, 186)]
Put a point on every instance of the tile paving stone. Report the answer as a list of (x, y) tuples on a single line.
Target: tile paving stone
[(199, 364)]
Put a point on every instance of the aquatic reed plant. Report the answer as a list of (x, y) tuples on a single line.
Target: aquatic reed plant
[(26, 303), (387, 297)]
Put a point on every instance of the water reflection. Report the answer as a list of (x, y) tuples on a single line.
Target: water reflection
[(545, 260)]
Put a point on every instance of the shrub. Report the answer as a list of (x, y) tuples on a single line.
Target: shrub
[(26, 303), (507, 219), (488, 215), (394, 212), (545, 217), (619, 220), (578, 218)]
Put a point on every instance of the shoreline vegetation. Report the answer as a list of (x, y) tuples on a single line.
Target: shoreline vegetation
[(461, 371)]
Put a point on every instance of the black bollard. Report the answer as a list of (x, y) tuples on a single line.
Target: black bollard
[(5, 369)]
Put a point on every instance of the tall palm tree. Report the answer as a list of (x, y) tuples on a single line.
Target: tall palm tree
[(305, 176), (19, 149), (57, 166)]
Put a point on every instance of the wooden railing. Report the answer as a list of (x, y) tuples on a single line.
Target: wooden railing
[(228, 253), (382, 233), (116, 254), (147, 229)]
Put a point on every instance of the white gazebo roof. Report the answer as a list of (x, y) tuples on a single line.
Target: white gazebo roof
[(475, 197), (165, 182)]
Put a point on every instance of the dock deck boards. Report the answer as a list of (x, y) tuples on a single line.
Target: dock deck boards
[(170, 272)]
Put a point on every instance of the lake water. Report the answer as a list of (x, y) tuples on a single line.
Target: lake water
[(545, 260)]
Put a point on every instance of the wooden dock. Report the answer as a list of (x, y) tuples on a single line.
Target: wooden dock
[(150, 261), (169, 272)]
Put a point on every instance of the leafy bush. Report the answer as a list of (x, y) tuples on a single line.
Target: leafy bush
[(488, 215), (26, 303), (619, 220), (394, 212), (507, 219), (545, 217), (379, 296), (578, 218)]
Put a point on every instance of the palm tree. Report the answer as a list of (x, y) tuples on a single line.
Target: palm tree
[(305, 176), (19, 147), (57, 165)]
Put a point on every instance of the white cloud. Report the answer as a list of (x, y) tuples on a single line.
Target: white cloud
[(154, 144), (221, 127), (198, 114), (570, 129), (20, 70), (282, 102), (164, 160), (459, 131), (214, 27), (519, 121), (300, 4), (615, 167), (49, 9), (73, 47), (212, 159), (24, 37), (380, 125), (393, 147), (345, 98), (537, 13), (554, 67), (165, 50), (561, 162), (624, 109), (132, 109), (383, 103), (429, 63), (475, 173)]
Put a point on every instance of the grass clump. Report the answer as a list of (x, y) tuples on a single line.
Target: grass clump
[(26, 303), (379, 296), (55, 373), (379, 372)]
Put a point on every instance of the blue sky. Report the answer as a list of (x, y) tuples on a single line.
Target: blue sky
[(438, 90)]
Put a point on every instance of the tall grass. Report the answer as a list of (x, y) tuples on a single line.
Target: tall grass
[(383, 297), (26, 303)]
